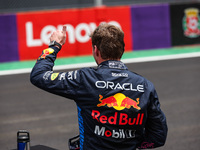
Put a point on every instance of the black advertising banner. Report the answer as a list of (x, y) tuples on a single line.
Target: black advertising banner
[(185, 24)]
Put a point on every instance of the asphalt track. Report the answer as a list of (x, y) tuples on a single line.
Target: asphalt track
[(52, 120)]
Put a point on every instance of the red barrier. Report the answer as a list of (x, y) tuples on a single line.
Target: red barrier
[(34, 29)]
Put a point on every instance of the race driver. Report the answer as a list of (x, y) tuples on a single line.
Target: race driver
[(117, 109)]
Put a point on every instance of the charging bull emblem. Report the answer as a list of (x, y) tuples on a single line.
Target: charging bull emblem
[(119, 102), (46, 52)]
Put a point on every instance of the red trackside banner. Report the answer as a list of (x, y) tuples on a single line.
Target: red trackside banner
[(34, 29)]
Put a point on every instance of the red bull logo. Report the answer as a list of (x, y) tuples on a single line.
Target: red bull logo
[(119, 102), (118, 118), (46, 52)]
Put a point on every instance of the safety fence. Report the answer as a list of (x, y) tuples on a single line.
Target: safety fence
[(24, 35)]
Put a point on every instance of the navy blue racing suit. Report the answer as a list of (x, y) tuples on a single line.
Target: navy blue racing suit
[(117, 109)]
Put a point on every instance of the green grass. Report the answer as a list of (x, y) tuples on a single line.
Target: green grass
[(87, 59)]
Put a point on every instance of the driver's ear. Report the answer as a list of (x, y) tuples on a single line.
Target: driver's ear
[(96, 51)]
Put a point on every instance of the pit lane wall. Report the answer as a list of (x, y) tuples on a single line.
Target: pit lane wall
[(24, 35)]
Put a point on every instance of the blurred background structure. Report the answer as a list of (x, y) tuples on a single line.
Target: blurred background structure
[(152, 28), (25, 25), (7, 6)]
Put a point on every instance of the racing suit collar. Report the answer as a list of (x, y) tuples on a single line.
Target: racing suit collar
[(113, 64)]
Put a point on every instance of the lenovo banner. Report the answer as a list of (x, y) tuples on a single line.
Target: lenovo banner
[(34, 29)]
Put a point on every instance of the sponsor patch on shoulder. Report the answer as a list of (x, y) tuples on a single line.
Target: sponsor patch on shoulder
[(119, 74), (46, 75), (54, 76)]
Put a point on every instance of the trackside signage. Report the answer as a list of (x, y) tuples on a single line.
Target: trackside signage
[(25, 35), (35, 28), (150, 26)]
